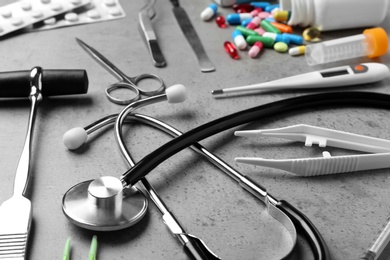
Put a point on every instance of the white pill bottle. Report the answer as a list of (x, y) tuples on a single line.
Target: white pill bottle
[(329, 15)]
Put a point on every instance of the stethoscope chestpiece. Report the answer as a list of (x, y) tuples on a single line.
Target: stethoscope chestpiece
[(104, 205)]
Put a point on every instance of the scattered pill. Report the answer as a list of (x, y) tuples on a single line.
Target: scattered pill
[(243, 8), (280, 47), (271, 7), (236, 19), (311, 34), (256, 12), (254, 23), (71, 17), (282, 15), (299, 50), (231, 50), (246, 22), (37, 13), (209, 12), (267, 42), (25, 5), (239, 40), (267, 26), (264, 15), (50, 21), (294, 39), (260, 30), (245, 31), (255, 49), (284, 28), (220, 21), (261, 5), (277, 37)]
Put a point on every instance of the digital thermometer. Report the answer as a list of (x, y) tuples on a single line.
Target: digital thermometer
[(334, 77)]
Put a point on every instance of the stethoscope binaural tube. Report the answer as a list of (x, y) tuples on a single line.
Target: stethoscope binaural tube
[(152, 160)]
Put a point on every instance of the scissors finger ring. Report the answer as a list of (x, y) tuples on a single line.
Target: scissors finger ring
[(150, 93), (124, 85)]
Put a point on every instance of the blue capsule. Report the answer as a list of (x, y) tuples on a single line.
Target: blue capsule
[(246, 22), (239, 40), (209, 12), (277, 37), (237, 19), (294, 38), (261, 5), (271, 7)]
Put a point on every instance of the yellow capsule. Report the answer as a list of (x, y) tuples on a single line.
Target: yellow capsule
[(299, 50), (281, 15), (311, 34)]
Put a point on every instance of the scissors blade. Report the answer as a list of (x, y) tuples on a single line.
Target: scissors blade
[(108, 65)]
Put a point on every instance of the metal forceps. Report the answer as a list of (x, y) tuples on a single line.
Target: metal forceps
[(125, 82)]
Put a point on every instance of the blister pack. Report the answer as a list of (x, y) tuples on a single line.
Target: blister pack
[(95, 11), (23, 13)]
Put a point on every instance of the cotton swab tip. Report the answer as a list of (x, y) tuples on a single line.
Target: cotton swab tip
[(176, 93), (75, 137)]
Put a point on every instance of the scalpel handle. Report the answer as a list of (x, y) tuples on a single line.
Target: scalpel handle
[(306, 228), (55, 82)]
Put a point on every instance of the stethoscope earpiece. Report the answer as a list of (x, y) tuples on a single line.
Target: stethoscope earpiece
[(104, 205)]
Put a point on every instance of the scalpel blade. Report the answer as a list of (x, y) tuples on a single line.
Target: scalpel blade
[(193, 39)]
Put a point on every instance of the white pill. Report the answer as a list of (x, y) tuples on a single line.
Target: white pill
[(75, 2), (240, 42), (50, 21), (94, 14), (25, 5), (56, 7), (109, 2), (71, 17), (17, 21), (37, 13), (115, 11), (6, 13)]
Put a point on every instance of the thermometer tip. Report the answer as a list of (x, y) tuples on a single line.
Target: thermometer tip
[(217, 92)]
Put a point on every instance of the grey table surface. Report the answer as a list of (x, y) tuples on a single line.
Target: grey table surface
[(348, 209)]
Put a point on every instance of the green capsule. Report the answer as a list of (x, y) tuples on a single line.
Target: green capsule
[(245, 31), (267, 41), (267, 26)]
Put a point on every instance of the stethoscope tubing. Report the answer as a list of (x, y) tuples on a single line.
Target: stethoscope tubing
[(153, 159)]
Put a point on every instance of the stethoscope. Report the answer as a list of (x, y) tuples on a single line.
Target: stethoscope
[(149, 162)]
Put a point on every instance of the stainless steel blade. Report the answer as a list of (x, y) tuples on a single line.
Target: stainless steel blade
[(193, 39)]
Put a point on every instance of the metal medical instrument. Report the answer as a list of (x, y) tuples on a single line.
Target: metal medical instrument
[(145, 15), (192, 37), (16, 212), (125, 82), (323, 137), (335, 77)]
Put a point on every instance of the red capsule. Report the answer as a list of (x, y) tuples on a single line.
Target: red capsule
[(221, 22), (243, 8), (231, 50)]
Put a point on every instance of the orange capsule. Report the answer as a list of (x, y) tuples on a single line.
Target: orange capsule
[(284, 28)]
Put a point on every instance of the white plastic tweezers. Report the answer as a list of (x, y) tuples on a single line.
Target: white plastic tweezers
[(323, 137)]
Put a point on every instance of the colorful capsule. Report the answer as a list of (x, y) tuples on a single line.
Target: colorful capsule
[(243, 8), (255, 49), (284, 28), (280, 47), (264, 15), (231, 50), (246, 22), (209, 12), (296, 51), (245, 31), (267, 26), (254, 23), (256, 12), (235, 19), (261, 5), (260, 30), (277, 37), (267, 42), (282, 15), (220, 21), (294, 39), (271, 7), (239, 39)]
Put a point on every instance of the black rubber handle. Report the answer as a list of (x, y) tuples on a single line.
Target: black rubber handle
[(54, 83), (307, 229)]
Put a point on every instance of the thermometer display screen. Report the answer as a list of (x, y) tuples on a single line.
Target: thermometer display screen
[(329, 74)]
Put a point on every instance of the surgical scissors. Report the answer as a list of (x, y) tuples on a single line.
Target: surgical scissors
[(126, 82)]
